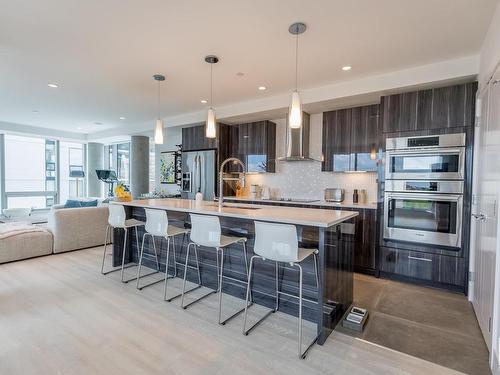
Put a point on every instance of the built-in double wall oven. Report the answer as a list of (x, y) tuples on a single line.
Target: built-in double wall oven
[(423, 201)]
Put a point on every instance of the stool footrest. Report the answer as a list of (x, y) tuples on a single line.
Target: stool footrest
[(233, 316), (153, 282), (304, 353), (118, 269), (135, 278), (199, 299), (180, 294), (272, 311)]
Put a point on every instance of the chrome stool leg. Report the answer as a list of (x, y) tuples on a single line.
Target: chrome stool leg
[(247, 331), (302, 354), (183, 287), (105, 247), (139, 276), (123, 252), (108, 235), (184, 292)]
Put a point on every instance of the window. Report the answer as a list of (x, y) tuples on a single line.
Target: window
[(71, 159), (30, 172), (123, 168)]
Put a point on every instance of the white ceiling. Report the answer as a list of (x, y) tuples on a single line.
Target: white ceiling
[(102, 54)]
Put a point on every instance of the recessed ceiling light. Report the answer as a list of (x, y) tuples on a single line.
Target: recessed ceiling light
[(79, 128), (346, 68), (53, 85), (97, 123), (123, 118), (204, 101), (262, 88)]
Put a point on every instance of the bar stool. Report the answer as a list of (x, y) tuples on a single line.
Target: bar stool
[(157, 226), (206, 231), (117, 219), (279, 243)]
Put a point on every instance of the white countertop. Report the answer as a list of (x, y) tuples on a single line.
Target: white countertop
[(290, 215), (371, 206)]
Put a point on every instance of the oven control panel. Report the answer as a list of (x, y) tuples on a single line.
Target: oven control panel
[(445, 187)]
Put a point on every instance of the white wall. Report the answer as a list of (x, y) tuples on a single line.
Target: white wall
[(171, 138), (490, 50), (305, 179), (488, 60)]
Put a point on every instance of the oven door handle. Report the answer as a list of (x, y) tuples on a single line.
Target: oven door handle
[(423, 152), (426, 197)]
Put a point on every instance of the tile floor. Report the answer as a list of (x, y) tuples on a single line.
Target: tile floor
[(428, 323)]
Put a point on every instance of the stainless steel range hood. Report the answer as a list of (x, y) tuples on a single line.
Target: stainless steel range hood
[(297, 141)]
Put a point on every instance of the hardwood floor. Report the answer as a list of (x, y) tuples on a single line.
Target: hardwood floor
[(59, 315)]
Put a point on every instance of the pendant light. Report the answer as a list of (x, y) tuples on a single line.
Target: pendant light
[(295, 110), (210, 127), (158, 137)]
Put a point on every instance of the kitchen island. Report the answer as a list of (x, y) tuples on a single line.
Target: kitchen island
[(329, 231)]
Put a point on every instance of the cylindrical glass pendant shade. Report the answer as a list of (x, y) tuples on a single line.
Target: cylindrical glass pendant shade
[(159, 132), (295, 112), (210, 126)]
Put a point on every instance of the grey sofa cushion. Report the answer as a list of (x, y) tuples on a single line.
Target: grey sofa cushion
[(78, 228)]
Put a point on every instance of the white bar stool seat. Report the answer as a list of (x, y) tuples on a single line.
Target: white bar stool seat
[(118, 219), (279, 243), (206, 231), (157, 226)]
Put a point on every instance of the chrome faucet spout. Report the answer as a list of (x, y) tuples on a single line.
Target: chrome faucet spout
[(221, 176)]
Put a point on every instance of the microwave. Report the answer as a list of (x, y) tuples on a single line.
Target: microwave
[(439, 157)]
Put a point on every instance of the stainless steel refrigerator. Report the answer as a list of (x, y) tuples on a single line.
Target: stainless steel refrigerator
[(199, 174)]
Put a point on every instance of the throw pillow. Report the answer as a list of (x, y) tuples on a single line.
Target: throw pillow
[(71, 203), (88, 203)]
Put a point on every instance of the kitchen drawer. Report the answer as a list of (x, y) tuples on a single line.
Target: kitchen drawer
[(430, 267)]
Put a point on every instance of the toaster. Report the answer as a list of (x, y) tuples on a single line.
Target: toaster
[(334, 195)]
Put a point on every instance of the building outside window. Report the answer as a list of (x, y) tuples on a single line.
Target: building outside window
[(123, 163), (30, 172), (71, 158)]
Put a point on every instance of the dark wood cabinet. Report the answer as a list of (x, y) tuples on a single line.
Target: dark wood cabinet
[(433, 268), (193, 138), (364, 226), (255, 144), (350, 139), (431, 109)]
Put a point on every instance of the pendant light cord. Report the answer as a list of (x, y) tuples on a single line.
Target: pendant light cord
[(211, 84), (159, 100), (296, 61)]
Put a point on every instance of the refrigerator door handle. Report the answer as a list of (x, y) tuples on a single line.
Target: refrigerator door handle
[(200, 186)]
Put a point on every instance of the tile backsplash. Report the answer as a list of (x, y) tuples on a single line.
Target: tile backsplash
[(305, 179)]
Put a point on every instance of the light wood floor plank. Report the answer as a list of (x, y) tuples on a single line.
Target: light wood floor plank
[(58, 315)]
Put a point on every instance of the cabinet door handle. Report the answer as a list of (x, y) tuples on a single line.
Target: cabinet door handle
[(421, 259)]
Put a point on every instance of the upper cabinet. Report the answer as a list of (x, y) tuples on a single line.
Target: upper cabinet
[(193, 138), (253, 143), (350, 139), (445, 107), (257, 146)]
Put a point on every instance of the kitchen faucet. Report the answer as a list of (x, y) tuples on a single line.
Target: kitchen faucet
[(222, 179)]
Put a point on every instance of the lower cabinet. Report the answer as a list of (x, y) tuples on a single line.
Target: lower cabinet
[(434, 268), (365, 227)]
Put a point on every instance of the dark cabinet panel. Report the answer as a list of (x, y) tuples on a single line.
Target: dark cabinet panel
[(254, 143), (400, 112), (336, 140), (429, 267), (350, 139), (430, 109), (193, 138)]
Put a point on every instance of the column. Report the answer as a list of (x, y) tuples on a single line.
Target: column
[(95, 160), (139, 165)]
